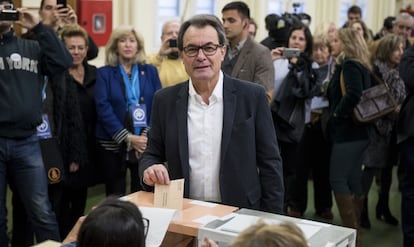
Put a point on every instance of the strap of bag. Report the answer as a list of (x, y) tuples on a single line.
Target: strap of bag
[(342, 82), (379, 79)]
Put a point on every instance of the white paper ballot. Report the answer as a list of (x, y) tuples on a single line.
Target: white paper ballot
[(159, 220)]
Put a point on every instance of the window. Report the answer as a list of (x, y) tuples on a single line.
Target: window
[(204, 7), (275, 7), (281, 6), (167, 10)]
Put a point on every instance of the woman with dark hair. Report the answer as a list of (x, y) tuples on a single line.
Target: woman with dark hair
[(350, 140), (124, 91), (315, 146), (113, 223), (295, 85), (382, 153)]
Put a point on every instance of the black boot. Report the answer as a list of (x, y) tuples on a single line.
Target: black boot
[(364, 219), (383, 211)]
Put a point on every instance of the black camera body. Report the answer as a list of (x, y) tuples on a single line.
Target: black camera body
[(62, 2), (173, 43), (9, 15)]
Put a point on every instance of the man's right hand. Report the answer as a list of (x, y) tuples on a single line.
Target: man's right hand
[(165, 48), (156, 174)]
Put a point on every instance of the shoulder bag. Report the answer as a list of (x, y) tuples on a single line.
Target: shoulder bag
[(376, 101)]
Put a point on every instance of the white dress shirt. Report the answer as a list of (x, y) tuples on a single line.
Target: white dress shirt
[(205, 125)]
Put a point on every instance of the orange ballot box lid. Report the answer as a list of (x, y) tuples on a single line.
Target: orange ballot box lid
[(189, 218)]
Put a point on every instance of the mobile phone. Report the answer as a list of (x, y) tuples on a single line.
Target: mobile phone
[(62, 2), (291, 52), (9, 15), (173, 43)]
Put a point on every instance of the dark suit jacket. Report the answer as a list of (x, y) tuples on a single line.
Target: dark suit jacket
[(251, 167), (254, 64), (406, 117)]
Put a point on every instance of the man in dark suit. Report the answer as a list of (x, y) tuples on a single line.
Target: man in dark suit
[(214, 131), (406, 143), (245, 59)]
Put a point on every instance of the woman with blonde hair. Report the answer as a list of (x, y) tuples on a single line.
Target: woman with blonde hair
[(350, 140), (124, 91)]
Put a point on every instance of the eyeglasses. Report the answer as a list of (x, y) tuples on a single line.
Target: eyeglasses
[(208, 49), (402, 27), (6, 6), (146, 226)]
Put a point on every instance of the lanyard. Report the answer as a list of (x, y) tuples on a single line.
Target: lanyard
[(132, 86)]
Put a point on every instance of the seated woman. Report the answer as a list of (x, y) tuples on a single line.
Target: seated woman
[(113, 223)]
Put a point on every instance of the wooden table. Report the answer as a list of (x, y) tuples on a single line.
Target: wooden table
[(184, 224)]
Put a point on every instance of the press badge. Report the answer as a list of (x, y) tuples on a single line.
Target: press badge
[(139, 115), (43, 130)]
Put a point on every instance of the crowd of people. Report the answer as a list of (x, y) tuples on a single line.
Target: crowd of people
[(245, 123)]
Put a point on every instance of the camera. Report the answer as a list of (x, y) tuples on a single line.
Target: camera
[(291, 52), (173, 43), (62, 2), (9, 15)]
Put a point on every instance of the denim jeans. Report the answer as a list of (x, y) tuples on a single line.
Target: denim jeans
[(21, 162)]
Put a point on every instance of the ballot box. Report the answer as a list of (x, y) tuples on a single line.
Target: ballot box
[(318, 234)]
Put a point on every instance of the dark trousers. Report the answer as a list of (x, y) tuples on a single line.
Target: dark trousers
[(72, 207), (289, 154), (134, 174), (114, 171), (314, 154), (407, 189), (345, 173)]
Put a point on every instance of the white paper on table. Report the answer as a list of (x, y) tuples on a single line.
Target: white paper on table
[(204, 204), (205, 219), (159, 220)]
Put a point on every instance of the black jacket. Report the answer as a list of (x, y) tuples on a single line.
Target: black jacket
[(23, 67), (406, 118)]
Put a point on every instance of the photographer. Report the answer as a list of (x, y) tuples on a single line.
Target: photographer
[(294, 86), (23, 67), (167, 61), (55, 16)]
